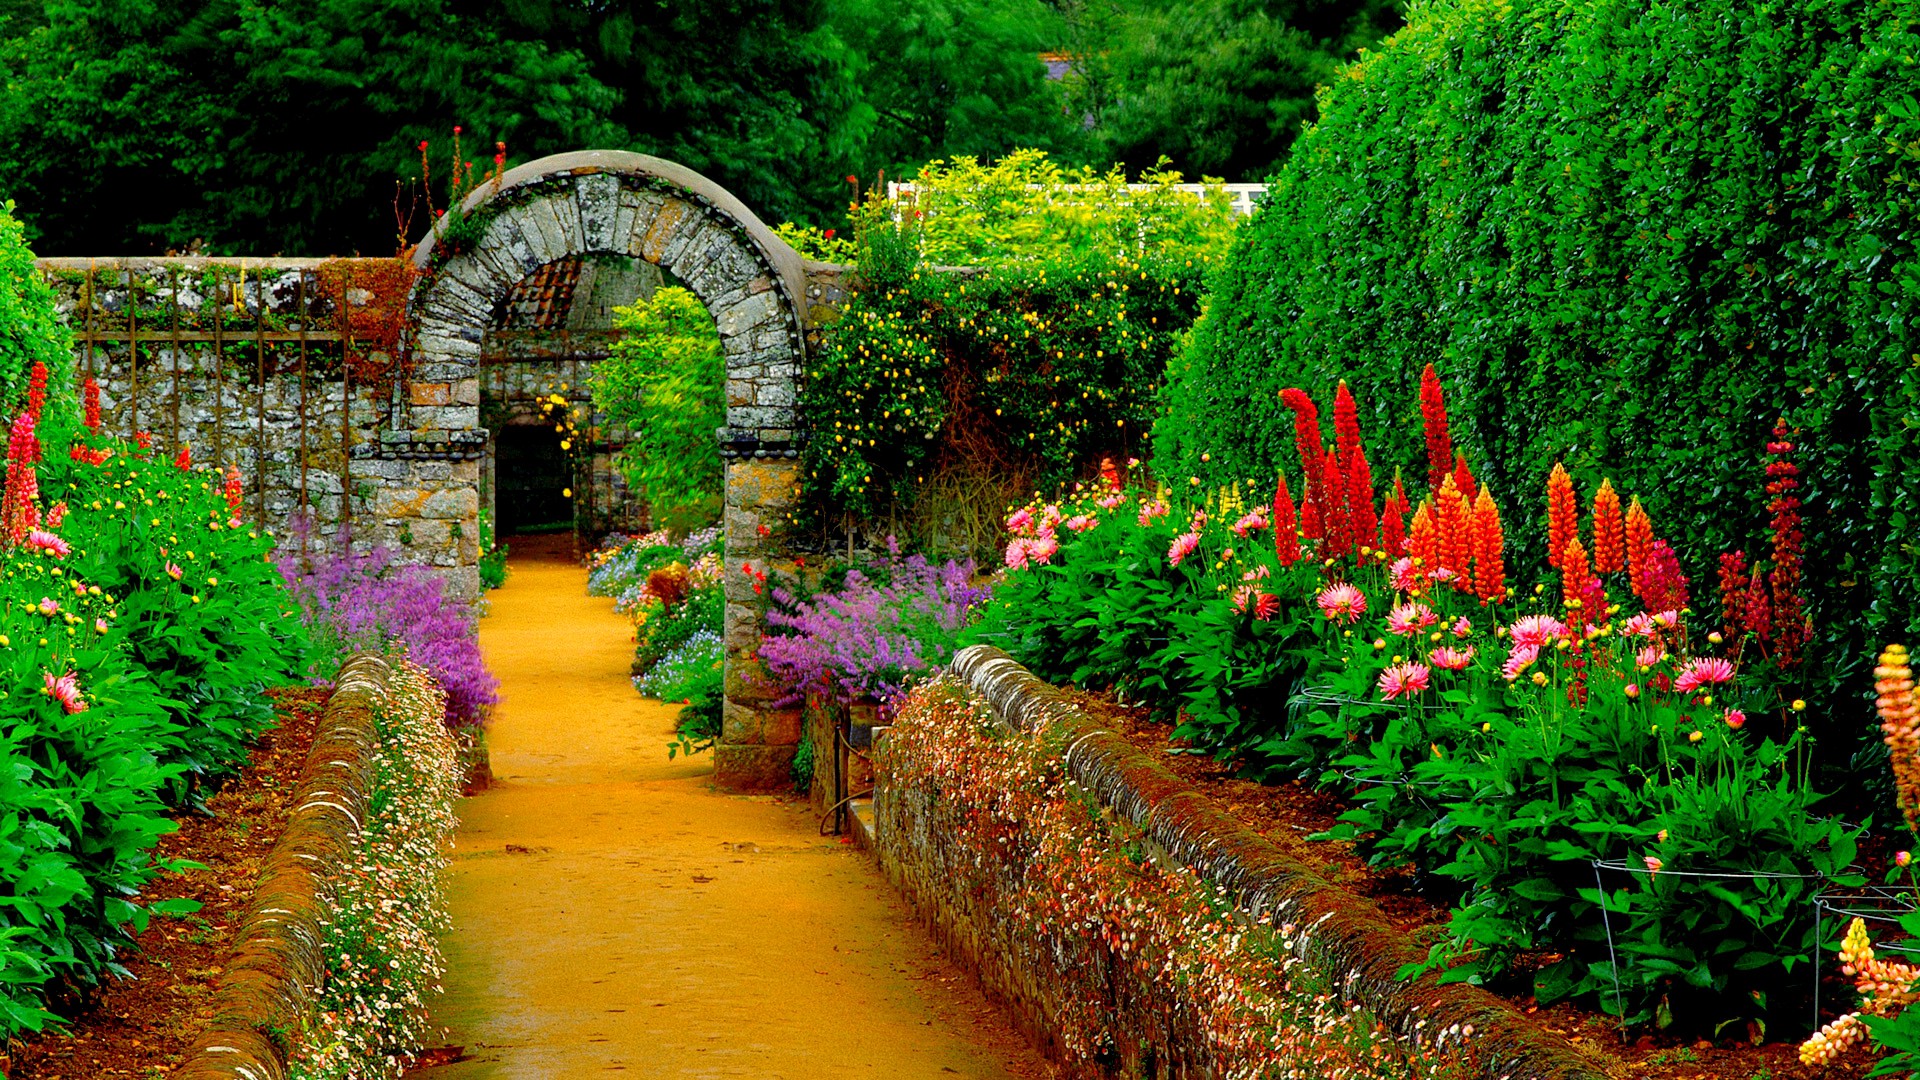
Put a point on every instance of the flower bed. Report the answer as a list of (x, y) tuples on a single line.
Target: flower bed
[(132, 1025), (1572, 766), (671, 591)]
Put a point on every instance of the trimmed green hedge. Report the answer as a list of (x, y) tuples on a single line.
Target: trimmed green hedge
[(1629, 236)]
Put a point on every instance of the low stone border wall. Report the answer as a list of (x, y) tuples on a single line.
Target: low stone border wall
[(1347, 934), (263, 1000)]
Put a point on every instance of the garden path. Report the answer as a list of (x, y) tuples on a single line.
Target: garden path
[(613, 912)]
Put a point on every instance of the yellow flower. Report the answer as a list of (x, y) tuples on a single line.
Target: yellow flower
[(1799, 705), (1696, 736), (1539, 678)]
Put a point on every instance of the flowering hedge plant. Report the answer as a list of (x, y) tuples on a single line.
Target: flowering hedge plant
[(671, 591), (1507, 744)]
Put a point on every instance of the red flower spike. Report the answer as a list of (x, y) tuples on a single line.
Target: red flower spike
[(1790, 626), (1338, 540), (1433, 419), (1311, 525), (37, 391), (1757, 615), (1639, 547), (1733, 592), (1489, 560), (1609, 531), (1286, 535), (1306, 439), (91, 395), (1463, 477), (1666, 586), (20, 501), (1393, 522), (1363, 525), (1563, 514), (184, 459)]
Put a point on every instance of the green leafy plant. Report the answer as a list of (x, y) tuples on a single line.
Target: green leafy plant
[(666, 383)]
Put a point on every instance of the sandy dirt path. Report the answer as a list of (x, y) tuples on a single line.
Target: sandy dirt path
[(614, 913)]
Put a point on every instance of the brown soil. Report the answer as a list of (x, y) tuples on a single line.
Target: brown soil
[(613, 912), (1289, 813), (138, 1027)]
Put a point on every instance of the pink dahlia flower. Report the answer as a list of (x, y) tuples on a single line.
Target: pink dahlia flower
[(1403, 680), (65, 689), (1342, 601), (1448, 658), (1708, 671), (1518, 660), (1183, 545), (42, 540), (1406, 620)]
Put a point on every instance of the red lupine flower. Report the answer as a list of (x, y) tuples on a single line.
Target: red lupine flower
[(1639, 547), (1286, 536), (1306, 440), (1363, 527), (1757, 615), (92, 396), (1733, 591), (232, 493), (143, 439), (37, 390), (1463, 477), (1790, 630), (1338, 539), (1433, 419), (1393, 519), (1609, 531), (1489, 542), (1563, 514), (184, 459), (20, 502), (1666, 586)]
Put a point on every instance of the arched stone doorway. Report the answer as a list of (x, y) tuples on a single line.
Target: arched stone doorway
[(634, 206)]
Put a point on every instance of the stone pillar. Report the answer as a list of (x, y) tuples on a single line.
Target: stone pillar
[(757, 741)]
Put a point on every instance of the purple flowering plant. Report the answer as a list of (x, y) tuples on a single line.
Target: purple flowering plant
[(367, 600), (870, 636)]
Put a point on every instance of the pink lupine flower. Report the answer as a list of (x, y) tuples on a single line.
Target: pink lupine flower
[(1518, 661), (1183, 545), (1708, 671), (42, 540), (1448, 658), (1403, 680), (1537, 630), (1342, 601), (65, 689), (1406, 620)]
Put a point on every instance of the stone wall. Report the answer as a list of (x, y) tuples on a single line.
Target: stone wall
[(1281, 906)]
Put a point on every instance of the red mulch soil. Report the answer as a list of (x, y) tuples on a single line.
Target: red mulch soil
[(1288, 813), (139, 1027)]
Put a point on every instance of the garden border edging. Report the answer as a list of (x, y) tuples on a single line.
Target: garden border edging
[(264, 997), (1349, 933)]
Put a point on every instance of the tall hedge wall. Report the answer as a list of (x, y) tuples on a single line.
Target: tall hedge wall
[(1628, 235)]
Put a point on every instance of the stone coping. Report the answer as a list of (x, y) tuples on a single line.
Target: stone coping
[(264, 998), (1346, 932)]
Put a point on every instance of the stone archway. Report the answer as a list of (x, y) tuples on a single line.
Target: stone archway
[(755, 286)]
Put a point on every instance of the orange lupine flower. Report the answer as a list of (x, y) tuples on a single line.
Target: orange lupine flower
[(1639, 545), (1563, 514), (1456, 533), (1423, 541), (1609, 531), (1574, 575), (1489, 562), (1900, 723)]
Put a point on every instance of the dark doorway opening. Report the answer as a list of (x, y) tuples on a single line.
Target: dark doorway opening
[(533, 480)]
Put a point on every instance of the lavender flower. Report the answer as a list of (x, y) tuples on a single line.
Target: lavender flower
[(869, 639)]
